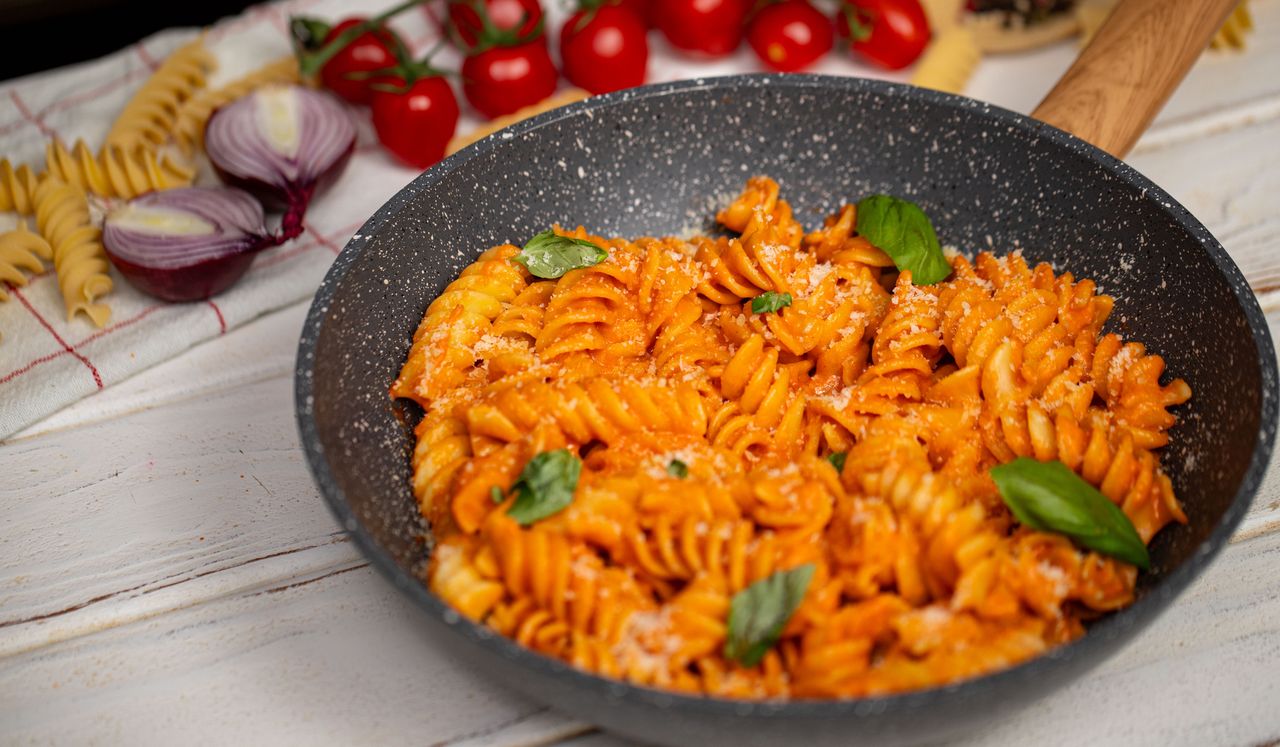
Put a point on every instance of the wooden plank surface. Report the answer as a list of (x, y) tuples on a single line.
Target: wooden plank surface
[(169, 575)]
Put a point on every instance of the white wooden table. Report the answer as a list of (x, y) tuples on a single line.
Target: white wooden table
[(169, 575)]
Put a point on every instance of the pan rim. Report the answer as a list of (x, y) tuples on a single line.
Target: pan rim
[(1124, 623)]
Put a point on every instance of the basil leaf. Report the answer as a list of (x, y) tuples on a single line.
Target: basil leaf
[(770, 301), (1050, 497), (545, 486), (759, 612), (677, 468), (495, 494), (549, 255), (902, 230), (837, 460)]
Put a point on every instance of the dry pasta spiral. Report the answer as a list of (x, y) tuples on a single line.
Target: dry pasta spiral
[(62, 216), (16, 187), (849, 436), (21, 249), (148, 119), (115, 172)]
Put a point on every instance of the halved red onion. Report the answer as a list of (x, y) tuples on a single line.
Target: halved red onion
[(283, 144), (186, 244)]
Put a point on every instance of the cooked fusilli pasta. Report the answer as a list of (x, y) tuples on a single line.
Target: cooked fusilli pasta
[(849, 434)]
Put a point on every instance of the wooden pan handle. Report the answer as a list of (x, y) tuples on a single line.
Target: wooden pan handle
[(1135, 61)]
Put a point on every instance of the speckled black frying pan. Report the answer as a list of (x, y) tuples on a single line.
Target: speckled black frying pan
[(657, 160)]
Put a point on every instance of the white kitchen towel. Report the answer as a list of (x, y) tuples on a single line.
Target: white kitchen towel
[(46, 361)]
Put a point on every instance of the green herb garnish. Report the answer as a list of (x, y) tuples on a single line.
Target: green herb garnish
[(549, 255), (677, 468), (769, 302), (495, 494), (837, 460), (1050, 497), (545, 486), (759, 612), (902, 230)]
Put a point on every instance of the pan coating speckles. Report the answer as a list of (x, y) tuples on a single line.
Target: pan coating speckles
[(988, 177)]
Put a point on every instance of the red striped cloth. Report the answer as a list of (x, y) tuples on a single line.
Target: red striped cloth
[(46, 361)]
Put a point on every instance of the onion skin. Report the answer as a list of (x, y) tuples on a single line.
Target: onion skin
[(191, 283), (219, 258), (293, 202), (272, 197), (244, 156)]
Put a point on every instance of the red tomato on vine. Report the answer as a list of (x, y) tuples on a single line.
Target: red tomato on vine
[(604, 48), (888, 33), (712, 28), (416, 122), (790, 35), (346, 73), (500, 80), (642, 8), (484, 23)]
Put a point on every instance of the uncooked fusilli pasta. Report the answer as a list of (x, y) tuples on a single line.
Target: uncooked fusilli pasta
[(148, 119), (21, 249), (62, 216), (848, 432), (115, 172), (16, 186)]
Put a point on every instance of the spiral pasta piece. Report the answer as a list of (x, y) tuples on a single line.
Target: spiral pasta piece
[(949, 61), (760, 202), (149, 118), (572, 586), (1129, 381), (115, 172), (16, 187), (739, 268), (846, 438), (62, 217), (587, 314), (21, 249), (443, 349), (586, 410)]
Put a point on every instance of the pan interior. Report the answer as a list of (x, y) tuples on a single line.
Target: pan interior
[(661, 161)]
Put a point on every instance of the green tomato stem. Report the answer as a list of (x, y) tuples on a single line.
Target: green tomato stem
[(310, 64)]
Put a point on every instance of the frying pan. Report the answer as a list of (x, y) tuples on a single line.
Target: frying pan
[(657, 160)]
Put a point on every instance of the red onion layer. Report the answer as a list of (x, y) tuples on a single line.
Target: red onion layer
[(284, 144), (186, 244)]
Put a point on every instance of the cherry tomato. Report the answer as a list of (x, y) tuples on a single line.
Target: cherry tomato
[(368, 52), (709, 27), (510, 21), (642, 8), (416, 124), (604, 49), (889, 33), (501, 80), (790, 35)]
